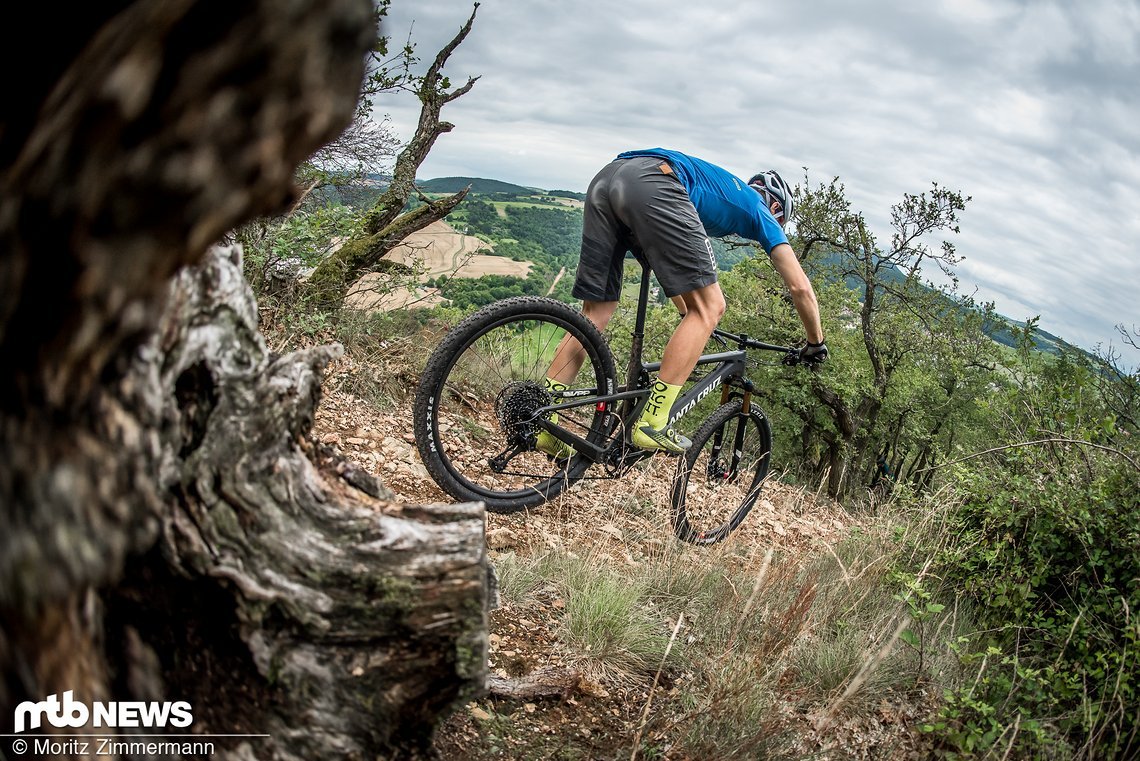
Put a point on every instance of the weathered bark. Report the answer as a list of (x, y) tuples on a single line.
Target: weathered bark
[(543, 682), (169, 531), (384, 225), (363, 618)]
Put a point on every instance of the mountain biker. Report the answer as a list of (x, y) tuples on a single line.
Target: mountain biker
[(662, 206)]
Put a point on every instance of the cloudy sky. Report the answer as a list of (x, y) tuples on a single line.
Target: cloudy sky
[(1032, 108)]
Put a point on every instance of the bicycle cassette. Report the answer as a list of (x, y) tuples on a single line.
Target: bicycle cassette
[(516, 408)]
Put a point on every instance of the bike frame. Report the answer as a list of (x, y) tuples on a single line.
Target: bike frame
[(630, 398)]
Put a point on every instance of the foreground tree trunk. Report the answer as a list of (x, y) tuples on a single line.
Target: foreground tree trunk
[(169, 530)]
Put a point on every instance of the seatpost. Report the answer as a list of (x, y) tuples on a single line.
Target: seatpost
[(636, 346), (633, 372)]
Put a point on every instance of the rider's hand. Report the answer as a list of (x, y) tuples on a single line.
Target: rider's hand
[(813, 354)]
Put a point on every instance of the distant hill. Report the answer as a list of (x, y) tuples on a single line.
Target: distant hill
[(478, 185), (1043, 340), (999, 330), (567, 194)]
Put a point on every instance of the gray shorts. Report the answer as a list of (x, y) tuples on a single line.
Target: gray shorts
[(634, 206)]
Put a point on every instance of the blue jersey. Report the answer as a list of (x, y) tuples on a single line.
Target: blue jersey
[(724, 202)]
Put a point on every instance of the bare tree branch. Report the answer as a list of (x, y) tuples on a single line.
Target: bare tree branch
[(1036, 443), (384, 227)]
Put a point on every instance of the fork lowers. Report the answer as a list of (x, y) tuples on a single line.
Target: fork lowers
[(719, 479)]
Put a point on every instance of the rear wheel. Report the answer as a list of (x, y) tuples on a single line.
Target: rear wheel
[(475, 421), (720, 477)]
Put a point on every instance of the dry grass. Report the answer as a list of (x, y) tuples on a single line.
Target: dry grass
[(776, 650)]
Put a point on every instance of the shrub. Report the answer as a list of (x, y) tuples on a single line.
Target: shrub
[(1048, 545)]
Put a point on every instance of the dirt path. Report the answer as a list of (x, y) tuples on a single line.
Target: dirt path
[(557, 277)]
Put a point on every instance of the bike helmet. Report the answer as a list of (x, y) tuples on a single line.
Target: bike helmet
[(773, 186)]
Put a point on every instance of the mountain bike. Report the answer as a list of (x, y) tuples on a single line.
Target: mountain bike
[(481, 404)]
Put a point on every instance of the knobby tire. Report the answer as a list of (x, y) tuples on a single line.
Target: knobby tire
[(709, 498)]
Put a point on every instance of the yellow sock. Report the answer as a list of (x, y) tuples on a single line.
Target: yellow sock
[(661, 398), (547, 443)]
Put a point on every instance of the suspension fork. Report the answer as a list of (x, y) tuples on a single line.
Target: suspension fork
[(746, 397), (730, 473), (746, 385)]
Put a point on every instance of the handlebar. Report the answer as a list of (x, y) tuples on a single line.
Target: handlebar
[(791, 356), (743, 340)]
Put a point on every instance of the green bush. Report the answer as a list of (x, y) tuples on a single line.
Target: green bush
[(1048, 545)]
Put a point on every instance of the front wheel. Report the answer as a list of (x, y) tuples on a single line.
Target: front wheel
[(475, 419), (720, 477)]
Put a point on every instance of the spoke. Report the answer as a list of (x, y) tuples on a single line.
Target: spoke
[(540, 353)]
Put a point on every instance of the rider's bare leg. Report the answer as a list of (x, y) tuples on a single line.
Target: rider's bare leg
[(702, 310), (568, 359), (570, 355)]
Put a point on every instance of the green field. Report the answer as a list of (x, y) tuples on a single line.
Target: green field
[(536, 347)]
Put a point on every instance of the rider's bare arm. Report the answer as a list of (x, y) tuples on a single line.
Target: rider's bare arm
[(803, 295)]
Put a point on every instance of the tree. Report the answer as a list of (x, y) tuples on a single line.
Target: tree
[(170, 531), (365, 145), (935, 404), (363, 148), (1118, 386), (386, 224), (896, 323)]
